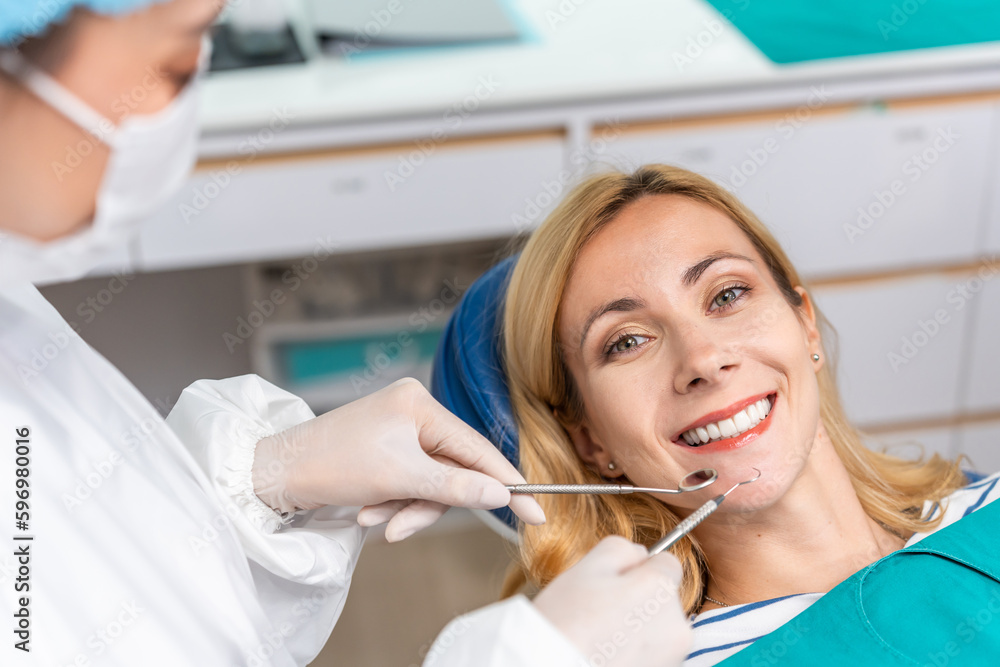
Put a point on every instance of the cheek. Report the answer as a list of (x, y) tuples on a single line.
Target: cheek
[(773, 322), (616, 414), (776, 339), (626, 427), (622, 416)]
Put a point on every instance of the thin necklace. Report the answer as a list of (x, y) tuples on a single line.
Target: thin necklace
[(714, 601)]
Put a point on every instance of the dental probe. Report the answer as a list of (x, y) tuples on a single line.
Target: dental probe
[(699, 515), (613, 489), (699, 479)]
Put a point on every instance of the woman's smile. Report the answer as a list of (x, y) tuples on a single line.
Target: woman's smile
[(731, 428)]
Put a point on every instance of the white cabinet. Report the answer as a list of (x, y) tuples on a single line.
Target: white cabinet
[(847, 190), (900, 347), (983, 393), (990, 234), (366, 199)]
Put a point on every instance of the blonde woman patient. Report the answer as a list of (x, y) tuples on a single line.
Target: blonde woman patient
[(652, 312)]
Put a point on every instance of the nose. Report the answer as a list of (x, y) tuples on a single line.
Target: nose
[(702, 359)]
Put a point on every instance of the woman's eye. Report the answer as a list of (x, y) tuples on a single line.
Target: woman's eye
[(626, 343), (728, 297)]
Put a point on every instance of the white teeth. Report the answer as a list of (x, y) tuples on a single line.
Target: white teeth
[(763, 407), (742, 421)]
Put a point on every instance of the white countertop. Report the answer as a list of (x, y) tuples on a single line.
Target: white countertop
[(602, 50)]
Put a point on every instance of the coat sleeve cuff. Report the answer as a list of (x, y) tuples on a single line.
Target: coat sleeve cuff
[(221, 422), (238, 480)]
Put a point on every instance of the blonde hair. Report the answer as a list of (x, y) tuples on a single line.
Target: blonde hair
[(544, 399)]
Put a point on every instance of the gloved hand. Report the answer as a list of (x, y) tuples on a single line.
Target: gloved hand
[(621, 605), (398, 453)]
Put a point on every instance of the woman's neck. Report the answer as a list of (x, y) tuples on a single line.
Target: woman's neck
[(810, 540)]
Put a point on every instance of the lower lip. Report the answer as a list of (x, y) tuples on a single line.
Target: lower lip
[(736, 441)]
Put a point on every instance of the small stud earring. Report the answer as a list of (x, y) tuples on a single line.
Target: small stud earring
[(815, 357), (612, 466)]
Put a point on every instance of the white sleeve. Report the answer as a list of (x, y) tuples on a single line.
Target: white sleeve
[(302, 572), (511, 633)]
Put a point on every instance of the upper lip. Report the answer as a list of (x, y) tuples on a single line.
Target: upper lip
[(719, 415)]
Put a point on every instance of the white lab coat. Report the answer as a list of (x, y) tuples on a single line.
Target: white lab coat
[(149, 547)]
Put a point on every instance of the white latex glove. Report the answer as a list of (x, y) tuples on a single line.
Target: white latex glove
[(621, 605), (398, 453)]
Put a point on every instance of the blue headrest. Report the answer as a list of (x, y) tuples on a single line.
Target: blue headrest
[(468, 376)]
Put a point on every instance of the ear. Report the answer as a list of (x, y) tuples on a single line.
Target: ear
[(807, 314), (595, 455)]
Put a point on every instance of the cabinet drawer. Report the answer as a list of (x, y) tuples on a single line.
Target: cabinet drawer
[(361, 200), (900, 347), (848, 190)]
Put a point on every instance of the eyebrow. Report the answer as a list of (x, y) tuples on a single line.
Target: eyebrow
[(623, 305), (692, 274), (629, 304)]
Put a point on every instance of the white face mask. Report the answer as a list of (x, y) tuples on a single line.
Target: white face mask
[(150, 158)]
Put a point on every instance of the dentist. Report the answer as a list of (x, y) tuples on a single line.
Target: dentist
[(226, 534)]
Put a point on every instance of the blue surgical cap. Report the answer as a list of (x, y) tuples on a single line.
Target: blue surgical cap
[(25, 18)]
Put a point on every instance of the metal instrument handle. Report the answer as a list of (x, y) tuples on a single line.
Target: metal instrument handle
[(614, 489), (687, 525)]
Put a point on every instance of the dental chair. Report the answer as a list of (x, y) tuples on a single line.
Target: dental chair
[(468, 376)]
